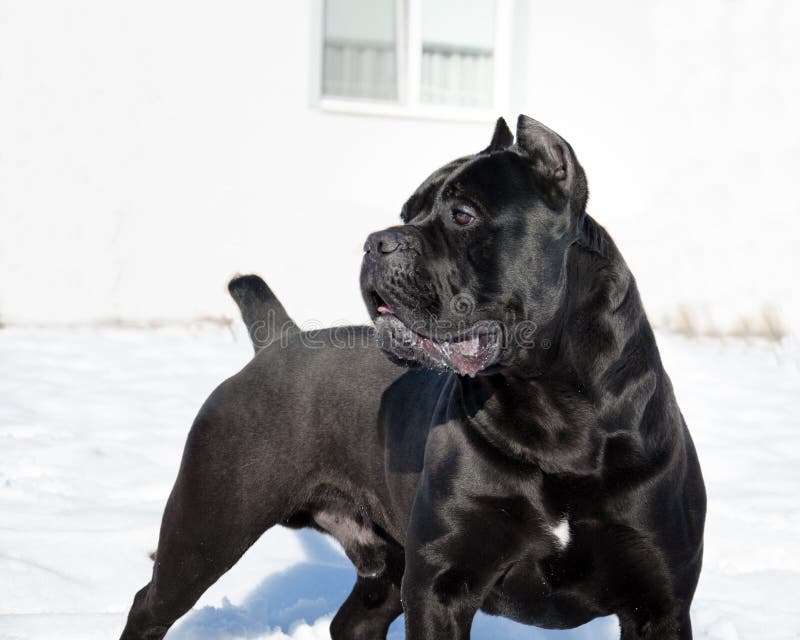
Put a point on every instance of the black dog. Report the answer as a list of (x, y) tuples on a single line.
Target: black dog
[(535, 465)]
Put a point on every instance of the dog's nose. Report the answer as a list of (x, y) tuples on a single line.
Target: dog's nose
[(382, 242)]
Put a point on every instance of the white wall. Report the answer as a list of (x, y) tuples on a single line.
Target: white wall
[(686, 117), (149, 150)]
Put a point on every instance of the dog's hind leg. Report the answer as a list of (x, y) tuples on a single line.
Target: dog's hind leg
[(229, 490), (375, 599), (186, 564), (368, 611)]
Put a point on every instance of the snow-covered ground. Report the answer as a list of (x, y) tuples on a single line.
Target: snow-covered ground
[(92, 423)]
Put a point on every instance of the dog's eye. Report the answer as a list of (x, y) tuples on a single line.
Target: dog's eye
[(461, 216)]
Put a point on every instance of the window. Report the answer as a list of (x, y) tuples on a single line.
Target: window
[(414, 57), (360, 52), (457, 52)]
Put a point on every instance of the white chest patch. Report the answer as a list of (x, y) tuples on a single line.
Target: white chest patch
[(561, 532)]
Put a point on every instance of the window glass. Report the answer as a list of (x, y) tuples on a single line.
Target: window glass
[(457, 52), (359, 57)]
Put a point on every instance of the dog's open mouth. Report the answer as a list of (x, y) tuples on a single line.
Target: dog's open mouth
[(466, 350)]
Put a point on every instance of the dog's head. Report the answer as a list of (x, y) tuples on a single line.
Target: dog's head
[(479, 262)]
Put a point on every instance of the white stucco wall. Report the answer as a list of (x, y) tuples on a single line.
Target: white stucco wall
[(150, 150), (685, 117)]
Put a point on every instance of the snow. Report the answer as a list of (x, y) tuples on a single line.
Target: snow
[(92, 423)]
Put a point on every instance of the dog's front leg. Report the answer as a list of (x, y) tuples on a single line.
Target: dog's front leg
[(439, 605), (458, 546), (437, 612)]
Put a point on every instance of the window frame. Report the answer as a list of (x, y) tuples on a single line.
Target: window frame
[(408, 35)]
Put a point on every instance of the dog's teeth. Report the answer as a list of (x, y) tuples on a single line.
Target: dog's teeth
[(471, 347)]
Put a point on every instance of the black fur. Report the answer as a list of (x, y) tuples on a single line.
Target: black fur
[(262, 313), (538, 399)]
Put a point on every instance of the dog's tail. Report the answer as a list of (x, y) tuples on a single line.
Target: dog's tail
[(263, 315)]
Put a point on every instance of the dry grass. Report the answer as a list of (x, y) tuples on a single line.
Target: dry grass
[(765, 324)]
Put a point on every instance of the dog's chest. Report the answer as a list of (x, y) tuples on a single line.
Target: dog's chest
[(550, 591), (551, 424)]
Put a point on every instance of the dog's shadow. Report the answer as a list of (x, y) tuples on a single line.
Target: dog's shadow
[(316, 587)]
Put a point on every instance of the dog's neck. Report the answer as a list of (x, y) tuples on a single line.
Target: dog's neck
[(593, 237), (603, 324), (596, 363), (600, 313), (601, 332)]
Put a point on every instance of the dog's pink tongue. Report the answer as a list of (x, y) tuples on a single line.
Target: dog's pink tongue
[(385, 309), (466, 367)]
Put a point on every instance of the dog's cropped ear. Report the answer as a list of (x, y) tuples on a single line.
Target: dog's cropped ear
[(555, 166), (502, 138)]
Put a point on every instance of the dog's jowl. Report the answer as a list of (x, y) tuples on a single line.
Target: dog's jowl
[(520, 451)]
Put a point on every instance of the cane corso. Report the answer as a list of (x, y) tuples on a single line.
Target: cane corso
[(520, 451)]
